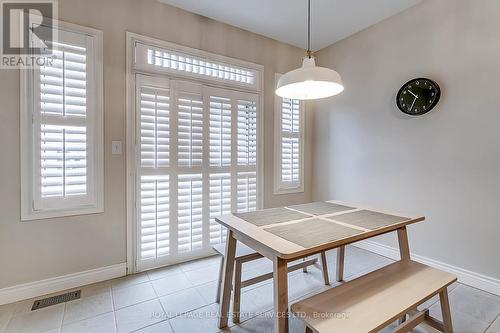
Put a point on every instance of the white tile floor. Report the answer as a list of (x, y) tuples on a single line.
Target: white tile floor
[(181, 298)]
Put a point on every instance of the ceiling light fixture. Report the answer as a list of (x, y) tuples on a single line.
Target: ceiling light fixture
[(309, 81)]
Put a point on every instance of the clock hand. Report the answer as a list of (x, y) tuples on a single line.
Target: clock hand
[(412, 94), (414, 100)]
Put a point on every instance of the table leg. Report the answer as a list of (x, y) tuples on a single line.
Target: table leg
[(404, 247), (227, 279), (340, 263), (280, 278)]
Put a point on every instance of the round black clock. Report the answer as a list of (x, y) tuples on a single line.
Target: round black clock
[(418, 96)]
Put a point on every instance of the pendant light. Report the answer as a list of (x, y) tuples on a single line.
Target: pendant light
[(309, 81)]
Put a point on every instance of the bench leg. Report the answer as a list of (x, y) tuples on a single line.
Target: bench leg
[(445, 309), (305, 268), (219, 283), (324, 267), (340, 263), (237, 291)]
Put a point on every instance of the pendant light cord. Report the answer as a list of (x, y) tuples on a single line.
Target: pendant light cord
[(309, 28)]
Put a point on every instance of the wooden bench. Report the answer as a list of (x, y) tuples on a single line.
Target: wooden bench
[(246, 254), (374, 301)]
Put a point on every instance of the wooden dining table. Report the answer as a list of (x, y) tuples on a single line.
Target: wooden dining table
[(286, 234)]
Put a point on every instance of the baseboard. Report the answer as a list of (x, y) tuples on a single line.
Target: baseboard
[(60, 283), (467, 277)]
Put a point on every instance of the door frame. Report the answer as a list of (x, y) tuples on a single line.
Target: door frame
[(131, 140)]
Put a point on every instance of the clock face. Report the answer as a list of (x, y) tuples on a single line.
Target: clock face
[(418, 96)]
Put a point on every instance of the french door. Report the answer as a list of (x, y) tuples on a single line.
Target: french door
[(196, 158)]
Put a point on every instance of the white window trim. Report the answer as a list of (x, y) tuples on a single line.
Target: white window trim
[(279, 186), (96, 130), (131, 71)]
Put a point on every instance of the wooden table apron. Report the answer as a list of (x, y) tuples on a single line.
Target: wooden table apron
[(280, 276)]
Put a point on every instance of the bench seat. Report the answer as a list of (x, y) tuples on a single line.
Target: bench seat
[(374, 301)]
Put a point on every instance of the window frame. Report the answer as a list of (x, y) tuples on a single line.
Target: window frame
[(94, 200), (281, 187)]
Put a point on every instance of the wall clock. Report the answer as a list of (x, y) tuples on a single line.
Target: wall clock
[(418, 96)]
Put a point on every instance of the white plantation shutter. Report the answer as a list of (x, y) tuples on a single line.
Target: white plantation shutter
[(153, 179), (220, 131), (246, 186), (247, 132), (247, 191), (65, 129), (220, 203), (63, 83), (63, 161), (154, 216), (194, 65), (197, 158), (155, 126), (289, 144), (290, 160), (190, 128), (63, 109), (190, 215)]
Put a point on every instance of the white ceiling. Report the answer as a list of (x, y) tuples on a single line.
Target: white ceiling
[(285, 20)]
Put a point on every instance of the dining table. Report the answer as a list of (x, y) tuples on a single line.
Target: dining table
[(286, 234)]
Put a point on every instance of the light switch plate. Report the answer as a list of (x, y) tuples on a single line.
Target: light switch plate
[(116, 147)]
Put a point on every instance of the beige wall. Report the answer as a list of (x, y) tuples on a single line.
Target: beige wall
[(444, 164), (31, 251)]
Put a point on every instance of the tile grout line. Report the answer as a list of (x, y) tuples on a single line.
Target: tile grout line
[(63, 315), (8, 321), (149, 300), (161, 304), (158, 297), (113, 307), (491, 324)]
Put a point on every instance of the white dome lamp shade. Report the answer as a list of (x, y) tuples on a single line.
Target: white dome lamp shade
[(309, 81)]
